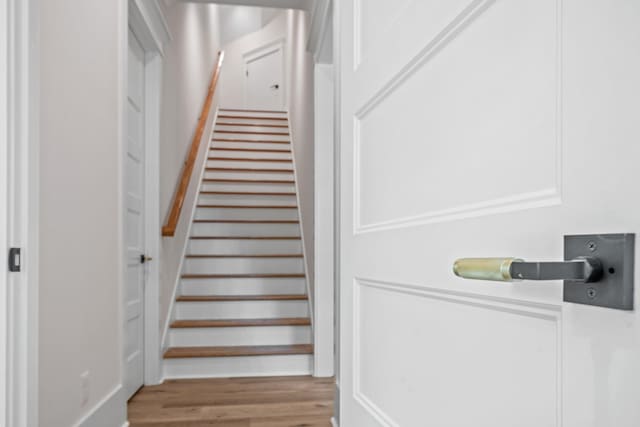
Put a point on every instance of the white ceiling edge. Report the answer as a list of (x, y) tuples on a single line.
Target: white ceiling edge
[(321, 20), (306, 5), (149, 18)]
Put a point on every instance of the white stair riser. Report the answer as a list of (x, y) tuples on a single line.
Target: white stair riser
[(261, 137), (234, 229), (247, 366), (252, 119), (228, 110), (280, 176), (285, 164), (244, 144), (250, 213), (245, 128), (240, 310), (250, 335), (247, 187), (237, 199), (242, 265), (250, 155), (248, 286), (243, 247)]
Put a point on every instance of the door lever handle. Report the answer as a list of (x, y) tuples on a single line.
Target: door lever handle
[(597, 269), (276, 86), (581, 269)]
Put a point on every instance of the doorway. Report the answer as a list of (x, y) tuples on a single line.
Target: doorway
[(264, 74)]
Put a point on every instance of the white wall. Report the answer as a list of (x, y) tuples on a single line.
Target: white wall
[(80, 312), (237, 21), (293, 26), (188, 65)]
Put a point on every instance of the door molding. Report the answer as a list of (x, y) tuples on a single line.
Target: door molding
[(258, 52), (147, 22), (324, 224), (23, 49)]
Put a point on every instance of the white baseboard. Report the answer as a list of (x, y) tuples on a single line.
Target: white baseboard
[(334, 423), (109, 412)]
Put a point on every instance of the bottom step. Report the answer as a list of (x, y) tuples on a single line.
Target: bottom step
[(245, 366), (235, 351)]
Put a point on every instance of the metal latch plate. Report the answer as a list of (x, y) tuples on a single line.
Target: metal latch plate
[(615, 288)]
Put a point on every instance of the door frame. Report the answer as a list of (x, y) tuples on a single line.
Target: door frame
[(258, 52), (146, 20), (22, 183)]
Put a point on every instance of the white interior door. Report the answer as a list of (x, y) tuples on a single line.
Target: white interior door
[(475, 129), (265, 80), (135, 221)]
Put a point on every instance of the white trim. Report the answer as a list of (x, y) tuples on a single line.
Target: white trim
[(324, 282), (176, 285), (5, 182), (109, 411), (23, 125), (258, 52), (302, 239), (149, 24), (334, 423)]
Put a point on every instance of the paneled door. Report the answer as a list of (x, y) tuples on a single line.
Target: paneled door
[(264, 77), (478, 129), (135, 225)]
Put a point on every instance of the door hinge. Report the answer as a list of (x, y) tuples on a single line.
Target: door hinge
[(14, 259)]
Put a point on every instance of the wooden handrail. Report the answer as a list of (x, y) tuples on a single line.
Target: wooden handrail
[(169, 229)]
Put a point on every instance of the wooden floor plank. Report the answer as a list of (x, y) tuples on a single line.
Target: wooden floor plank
[(235, 402)]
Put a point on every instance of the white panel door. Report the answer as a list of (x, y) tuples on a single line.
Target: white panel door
[(476, 129), (134, 304), (264, 89)]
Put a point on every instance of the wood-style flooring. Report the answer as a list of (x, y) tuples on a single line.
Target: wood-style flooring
[(235, 402)]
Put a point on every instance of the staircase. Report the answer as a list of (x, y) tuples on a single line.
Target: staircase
[(242, 308)]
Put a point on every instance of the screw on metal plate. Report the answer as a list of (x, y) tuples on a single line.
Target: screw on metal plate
[(592, 246), (591, 293)]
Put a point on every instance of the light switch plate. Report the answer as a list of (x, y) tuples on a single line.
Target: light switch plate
[(616, 252)]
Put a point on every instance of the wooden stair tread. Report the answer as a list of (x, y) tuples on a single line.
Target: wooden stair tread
[(237, 351), (226, 116), (249, 170), (247, 159), (246, 132), (249, 181), (253, 111), (236, 323), (245, 276), (245, 237), (214, 298), (251, 150), (247, 221), (251, 141), (248, 206), (248, 193), (247, 256), (265, 125)]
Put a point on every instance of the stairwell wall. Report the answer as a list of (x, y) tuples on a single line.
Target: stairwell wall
[(189, 61)]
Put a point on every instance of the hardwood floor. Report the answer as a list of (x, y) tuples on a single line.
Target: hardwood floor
[(235, 402)]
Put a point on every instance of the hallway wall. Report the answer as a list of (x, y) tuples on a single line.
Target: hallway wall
[(80, 216), (188, 64)]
